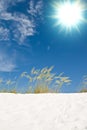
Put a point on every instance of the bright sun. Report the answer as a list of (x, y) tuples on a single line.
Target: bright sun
[(69, 14)]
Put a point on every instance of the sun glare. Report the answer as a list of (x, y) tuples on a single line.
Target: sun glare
[(69, 14)]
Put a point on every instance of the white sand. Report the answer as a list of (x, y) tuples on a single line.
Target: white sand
[(43, 112)]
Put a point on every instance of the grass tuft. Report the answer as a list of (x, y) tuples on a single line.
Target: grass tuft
[(37, 81), (41, 89), (84, 90)]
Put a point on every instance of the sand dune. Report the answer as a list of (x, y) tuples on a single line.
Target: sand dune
[(43, 112)]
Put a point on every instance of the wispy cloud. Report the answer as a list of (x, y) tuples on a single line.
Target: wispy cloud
[(22, 25), (6, 64), (4, 34), (35, 8), (4, 4)]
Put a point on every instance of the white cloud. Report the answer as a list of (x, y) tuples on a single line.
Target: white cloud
[(6, 64), (4, 4), (4, 34), (6, 16), (23, 26), (35, 8)]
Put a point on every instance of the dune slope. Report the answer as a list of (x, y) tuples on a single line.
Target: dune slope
[(43, 112)]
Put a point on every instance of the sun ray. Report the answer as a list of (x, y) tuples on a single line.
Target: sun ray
[(69, 14)]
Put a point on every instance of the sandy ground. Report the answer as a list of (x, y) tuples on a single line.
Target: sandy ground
[(43, 112)]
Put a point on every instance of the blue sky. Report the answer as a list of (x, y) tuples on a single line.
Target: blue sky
[(29, 39)]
